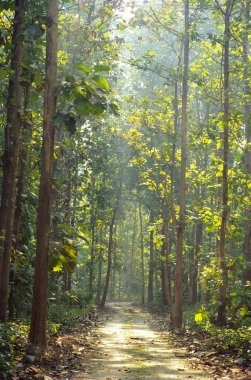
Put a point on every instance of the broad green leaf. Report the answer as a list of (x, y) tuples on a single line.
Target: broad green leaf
[(83, 68), (99, 68)]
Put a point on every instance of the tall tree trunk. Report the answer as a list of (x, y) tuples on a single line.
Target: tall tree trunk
[(22, 169), (114, 266), (182, 195), (37, 336), (221, 317), (198, 245), (10, 158), (166, 266), (110, 243), (151, 262), (142, 261), (131, 272), (67, 220), (91, 263), (109, 259), (247, 120), (100, 262)]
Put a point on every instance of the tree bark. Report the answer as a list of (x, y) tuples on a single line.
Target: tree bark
[(37, 336), (247, 121), (131, 272), (182, 195), (10, 158), (109, 260), (100, 262), (166, 266), (221, 317), (67, 220), (22, 169), (110, 243), (142, 261), (91, 263), (151, 262)]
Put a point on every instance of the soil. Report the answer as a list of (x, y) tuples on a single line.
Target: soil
[(124, 342), (131, 349)]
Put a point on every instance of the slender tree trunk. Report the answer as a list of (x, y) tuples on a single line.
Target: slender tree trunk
[(166, 266), (151, 262), (142, 261), (10, 158), (247, 119), (22, 169), (37, 336), (67, 220), (131, 273), (182, 195), (221, 318), (109, 260), (110, 243), (114, 266), (100, 262), (198, 245), (91, 264), (191, 256)]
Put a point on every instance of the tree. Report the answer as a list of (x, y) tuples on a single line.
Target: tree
[(247, 121), (38, 336), (10, 156), (182, 185), (221, 318)]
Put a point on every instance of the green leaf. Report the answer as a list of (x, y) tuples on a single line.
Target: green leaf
[(99, 68), (113, 108), (83, 68), (84, 107), (101, 82), (3, 73)]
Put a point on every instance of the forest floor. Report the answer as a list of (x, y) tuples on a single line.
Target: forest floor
[(125, 342), (131, 349)]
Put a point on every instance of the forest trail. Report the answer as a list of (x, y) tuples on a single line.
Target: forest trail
[(131, 349)]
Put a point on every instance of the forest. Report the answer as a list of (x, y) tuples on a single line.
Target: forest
[(125, 173)]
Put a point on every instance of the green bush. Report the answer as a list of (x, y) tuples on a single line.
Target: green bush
[(67, 317), (13, 339), (235, 340)]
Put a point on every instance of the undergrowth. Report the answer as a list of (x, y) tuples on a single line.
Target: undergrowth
[(234, 338), (13, 340), (14, 336)]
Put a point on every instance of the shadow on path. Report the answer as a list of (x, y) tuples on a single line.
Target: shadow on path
[(130, 349)]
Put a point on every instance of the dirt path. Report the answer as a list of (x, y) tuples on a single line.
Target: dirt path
[(130, 349)]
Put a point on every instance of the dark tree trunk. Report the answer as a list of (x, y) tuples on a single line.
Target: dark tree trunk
[(131, 273), (110, 243), (166, 266), (100, 262), (37, 336), (91, 263), (142, 260), (247, 120), (10, 158), (22, 169), (109, 260), (151, 262), (221, 318), (182, 195)]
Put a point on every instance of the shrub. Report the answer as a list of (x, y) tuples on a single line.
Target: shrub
[(13, 339)]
